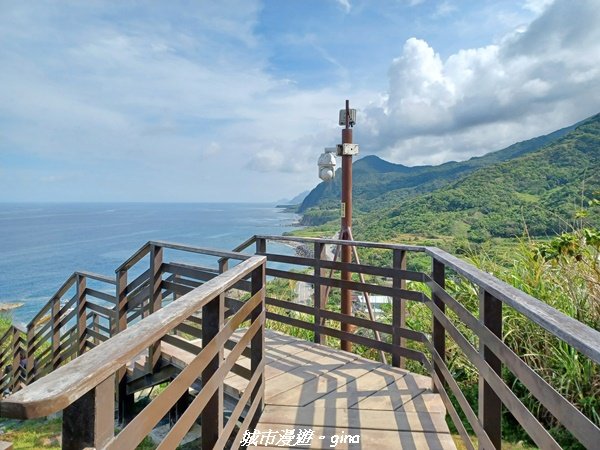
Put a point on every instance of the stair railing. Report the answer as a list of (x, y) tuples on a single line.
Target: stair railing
[(84, 388)]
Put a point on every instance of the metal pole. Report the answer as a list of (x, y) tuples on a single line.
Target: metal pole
[(346, 234)]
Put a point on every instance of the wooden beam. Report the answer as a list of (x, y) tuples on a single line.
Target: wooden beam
[(89, 421), (490, 405)]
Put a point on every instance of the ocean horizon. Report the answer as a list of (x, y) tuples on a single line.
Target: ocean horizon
[(41, 244)]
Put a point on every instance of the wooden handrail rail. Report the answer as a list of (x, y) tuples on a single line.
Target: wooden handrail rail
[(145, 249), (570, 330), (68, 383), (409, 248), (133, 259), (96, 276), (577, 334), (59, 293), (201, 250)]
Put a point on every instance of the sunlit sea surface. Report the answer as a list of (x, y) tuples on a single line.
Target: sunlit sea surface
[(42, 244)]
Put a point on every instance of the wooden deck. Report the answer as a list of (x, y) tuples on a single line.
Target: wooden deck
[(332, 392)]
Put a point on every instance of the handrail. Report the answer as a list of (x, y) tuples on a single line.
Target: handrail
[(133, 259), (409, 248), (59, 293), (580, 336), (145, 249), (65, 385), (201, 250), (96, 276), (577, 334), (489, 357)]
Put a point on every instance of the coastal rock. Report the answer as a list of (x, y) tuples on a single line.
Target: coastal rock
[(9, 306)]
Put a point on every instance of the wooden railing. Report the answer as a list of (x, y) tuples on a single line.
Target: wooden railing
[(488, 358), (84, 388), (66, 328), (83, 312)]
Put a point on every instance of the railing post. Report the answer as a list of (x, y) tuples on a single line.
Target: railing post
[(318, 290), (212, 414), (490, 405), (89, 421), (438, 333), (261, 246), (54, 312), (257, 344), (122, 302), (155, 299), (125, 400), (29, 355), (81, 315), (398, 306), (16, 354)]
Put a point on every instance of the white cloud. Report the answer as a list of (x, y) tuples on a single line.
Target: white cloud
[(533, 81), (444, 9), (345, 4), (537, 6)]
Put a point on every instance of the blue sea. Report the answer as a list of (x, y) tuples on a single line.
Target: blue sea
[(42, 244)]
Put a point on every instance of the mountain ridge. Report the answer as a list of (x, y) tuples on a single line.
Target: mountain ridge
[(537, 185), (423, 178)]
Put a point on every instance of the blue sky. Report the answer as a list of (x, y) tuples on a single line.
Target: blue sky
[(234, 100)]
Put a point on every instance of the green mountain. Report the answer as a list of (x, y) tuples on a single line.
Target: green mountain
[(374, 178), (536, 185)]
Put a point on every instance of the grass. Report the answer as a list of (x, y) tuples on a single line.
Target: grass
[(32, 434), (460, 445), (42, 434)]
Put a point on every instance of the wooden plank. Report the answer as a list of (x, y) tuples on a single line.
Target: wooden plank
[(306, 370), (397, 393), (96, 276), (424, 402), (100, 295), (135, 258), (352, 267), (349, 395), (294, 356), (89, 421), (354, 418), (380, 245), (352, 285), (368, 439), (139, 281), (322, 385), (202, 250)]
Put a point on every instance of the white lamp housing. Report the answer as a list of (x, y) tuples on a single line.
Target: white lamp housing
[(326, 164)]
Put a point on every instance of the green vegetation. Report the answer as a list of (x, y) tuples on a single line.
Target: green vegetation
[(530, 215), (531, 186), (32, 434), (42, 434)]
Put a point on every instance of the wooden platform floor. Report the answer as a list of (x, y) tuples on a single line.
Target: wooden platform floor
[(335, 393)]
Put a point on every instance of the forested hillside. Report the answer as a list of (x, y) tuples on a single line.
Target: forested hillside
[(396, 181), (537, 186)]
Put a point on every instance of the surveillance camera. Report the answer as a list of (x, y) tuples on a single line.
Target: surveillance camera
[(326, 165)]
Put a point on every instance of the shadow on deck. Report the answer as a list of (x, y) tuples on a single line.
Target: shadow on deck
[(335, 396), (201, 332)]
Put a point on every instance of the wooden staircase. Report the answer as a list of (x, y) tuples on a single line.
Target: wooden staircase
[(198, 329)]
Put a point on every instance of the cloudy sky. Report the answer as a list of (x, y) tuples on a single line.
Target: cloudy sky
[(234, 100)]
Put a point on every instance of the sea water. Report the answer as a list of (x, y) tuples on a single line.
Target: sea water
[(42, 244)]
